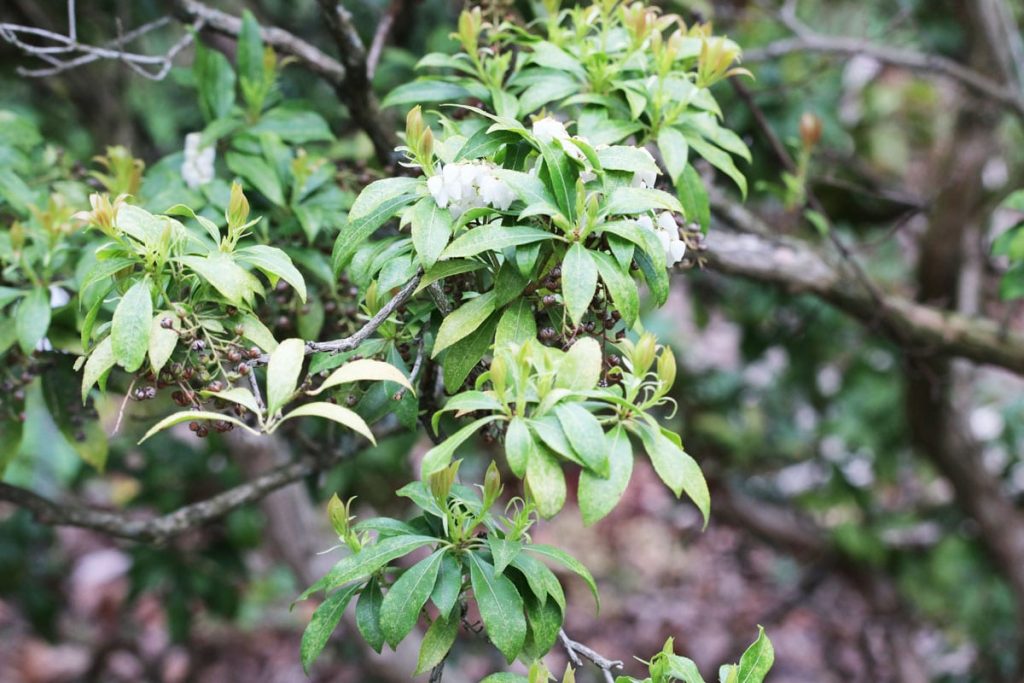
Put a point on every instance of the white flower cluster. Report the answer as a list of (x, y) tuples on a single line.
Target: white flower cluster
[(469, 185), (668, 232), (197, 168)]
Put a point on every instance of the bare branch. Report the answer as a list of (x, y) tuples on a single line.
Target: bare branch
[(843, 46), (160, 529), (380, 36), (357, 91), (576, 650), (310, 56), (46, 45), (793, 264)]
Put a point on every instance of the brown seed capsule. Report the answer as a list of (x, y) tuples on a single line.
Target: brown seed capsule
[(243, 369), (234, 356), (167, 323), (194, 426), (202, 431), (254, 352), (215, 386)]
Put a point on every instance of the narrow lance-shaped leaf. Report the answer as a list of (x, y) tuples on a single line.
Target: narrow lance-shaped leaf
[(283, 371), (325, 620), (579, 281), (403, 602)]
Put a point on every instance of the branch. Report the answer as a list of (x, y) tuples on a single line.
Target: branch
[(576, 650), (160, 529), (310, 56), (47, 45), (795, 265), (842, 46), (357, 91)]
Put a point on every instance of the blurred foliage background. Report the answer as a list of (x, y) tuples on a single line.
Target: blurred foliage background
[(831, 524)]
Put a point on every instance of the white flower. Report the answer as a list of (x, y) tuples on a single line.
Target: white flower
[(438, 191), (469, 185), (495, 192), (197, 168), (548, 129), (667, 232), (645, 177), (58, 296)]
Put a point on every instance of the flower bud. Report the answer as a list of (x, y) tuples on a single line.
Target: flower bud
[(810, 129), (667, 367), (643, 354), (492, 485), (238, 207), (337, 512), (441, 482)]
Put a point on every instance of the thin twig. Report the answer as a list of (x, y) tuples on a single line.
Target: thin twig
[(380, 36), (160, 529), (844, 46), (576, 650)]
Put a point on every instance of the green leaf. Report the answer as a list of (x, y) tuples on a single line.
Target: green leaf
[(683, 669), (720, 160), (364, 369), (655, 274), (517, 324), (437, 641), (620, 286), (368, 615), (485, 142), (570, 563), (544, 53), (440, 455), (259, 175), (546, 482), (283, 371), (503, 551), (99, 362), (250, 49), (493, 237), (531, 190), (449, 585), (627, 158), (295, 126), (332, 411), (694, 197), (674, 152), (325, 620), (585, 434), (544, 620), (541, 580), (276, 264), (162, 340), (255, 331), (424, 91), (463, 355), (431, 228), (580, 368), (554, 87), (189, 415), (631, 201), (215, 80), (677, 469), (32, 319), (402, 604), (597, 496), (757, 660), (501, 607), (579, 281), (367, 561), (562, 176), (519, 446), (233, 282), (463, 321), (131, 326), (505, 677), (378, 202)]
